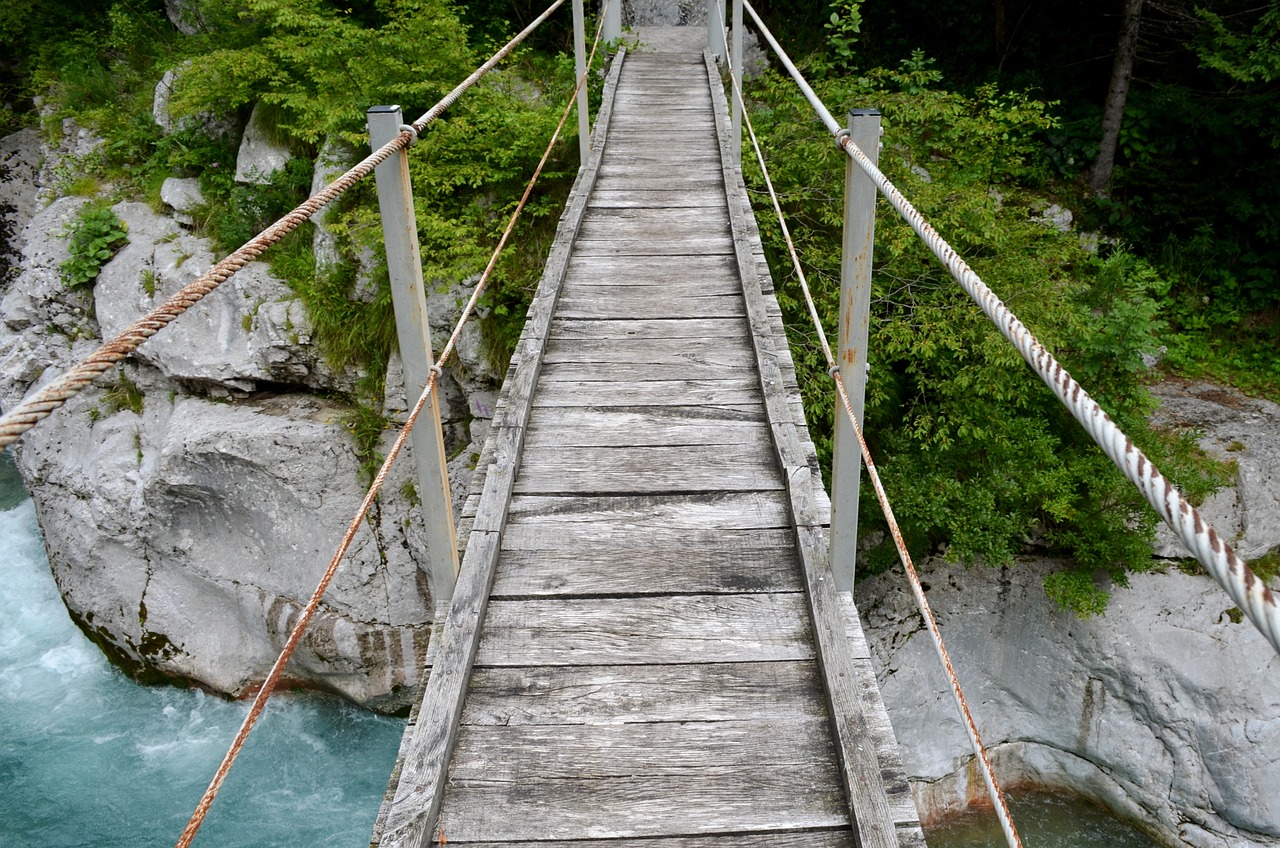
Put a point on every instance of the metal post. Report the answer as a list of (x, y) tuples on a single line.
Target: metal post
[(580, 68), (715, 28), (736, 136), (612, 20), (855, 311), (400, 233)]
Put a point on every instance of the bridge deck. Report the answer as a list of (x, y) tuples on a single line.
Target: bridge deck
[(646, 663)]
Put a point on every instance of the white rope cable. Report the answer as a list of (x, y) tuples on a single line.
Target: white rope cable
[(1250, 593), (917, 590)]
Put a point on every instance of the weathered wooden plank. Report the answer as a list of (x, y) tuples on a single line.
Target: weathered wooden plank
[(807, 838), (501, 753), (622, 246), (605, 198), (712, 228), (683, 369), (643, 693), (643, 425), (727, 511), (642, 561), (601, 270), (718, 215), (729, 391), (647, 301), (743, 467), (648, 328), (646, 630), (642, 351), (634, 182), (768, 796)]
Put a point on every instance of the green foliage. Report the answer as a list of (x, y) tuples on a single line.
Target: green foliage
[(977, 455), (123, 394), (93, 238)]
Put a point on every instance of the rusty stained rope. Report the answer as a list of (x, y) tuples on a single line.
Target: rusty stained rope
[(1250, 593), (31, 411), (295, 636), (917, 590)]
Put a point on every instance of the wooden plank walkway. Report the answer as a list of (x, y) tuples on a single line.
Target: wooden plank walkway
[(641, 644)]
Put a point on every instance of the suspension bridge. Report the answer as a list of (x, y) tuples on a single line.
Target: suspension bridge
[(646, 630)]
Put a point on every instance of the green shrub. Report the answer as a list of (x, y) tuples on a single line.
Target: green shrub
[(978, 456), (94, 237)]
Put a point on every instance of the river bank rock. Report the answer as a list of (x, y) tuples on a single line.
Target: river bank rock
[(191, 499), (1166, 709)]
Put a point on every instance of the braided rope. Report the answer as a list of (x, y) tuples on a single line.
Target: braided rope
[(917, 590), (1250, 593), (295, 636), (31, 411)]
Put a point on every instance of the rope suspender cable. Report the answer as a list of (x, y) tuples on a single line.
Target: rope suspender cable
[(1250, 593), (39, 406), (295, 636), (917, 590)]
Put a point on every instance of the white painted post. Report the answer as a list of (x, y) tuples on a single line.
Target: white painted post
[(855, 312), (715, 28), (736, 136), (400, 234), (612, 20), (580, 68)]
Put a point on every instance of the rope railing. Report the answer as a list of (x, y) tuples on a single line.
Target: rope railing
[(304, 619), (31, 411), (1250, 593), (917, 589)]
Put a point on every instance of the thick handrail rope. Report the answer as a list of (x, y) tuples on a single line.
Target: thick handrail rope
[(917, 590), (295, 636), (39, 406), (1250, 593)]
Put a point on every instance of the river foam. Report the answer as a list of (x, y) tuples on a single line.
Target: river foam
[(89, 758)]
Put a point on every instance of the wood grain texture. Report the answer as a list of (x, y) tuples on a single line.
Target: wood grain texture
[(698, 329), (726, 511), (643, 425), (646, 630), (631, 469), (629, 694), (642, 562), (761, 797)]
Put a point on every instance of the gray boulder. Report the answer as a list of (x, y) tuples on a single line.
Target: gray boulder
[(251, 329), (183, 196), (187, 539), (1164, 710), (1234, 428), (20, 155), (260, 155)]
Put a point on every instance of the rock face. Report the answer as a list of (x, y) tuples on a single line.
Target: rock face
[(260, 156), (191, 500), (1165, 709)]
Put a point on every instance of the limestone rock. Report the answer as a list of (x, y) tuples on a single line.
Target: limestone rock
[(1238, 429), (187, 539), (226, 126), (20, 156), (1163, 710), (185, 16), (37, 299), (183, 196), (259, 156), (1055, 216), (249, 330), (332, 161)]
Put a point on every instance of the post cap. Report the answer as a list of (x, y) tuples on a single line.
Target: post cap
[(380, 110), (864, 113)]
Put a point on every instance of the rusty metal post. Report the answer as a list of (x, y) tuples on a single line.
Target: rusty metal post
[(735, 139), (855, 313), (715, 28), (612, 20), (400, 233), (580, 68)]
